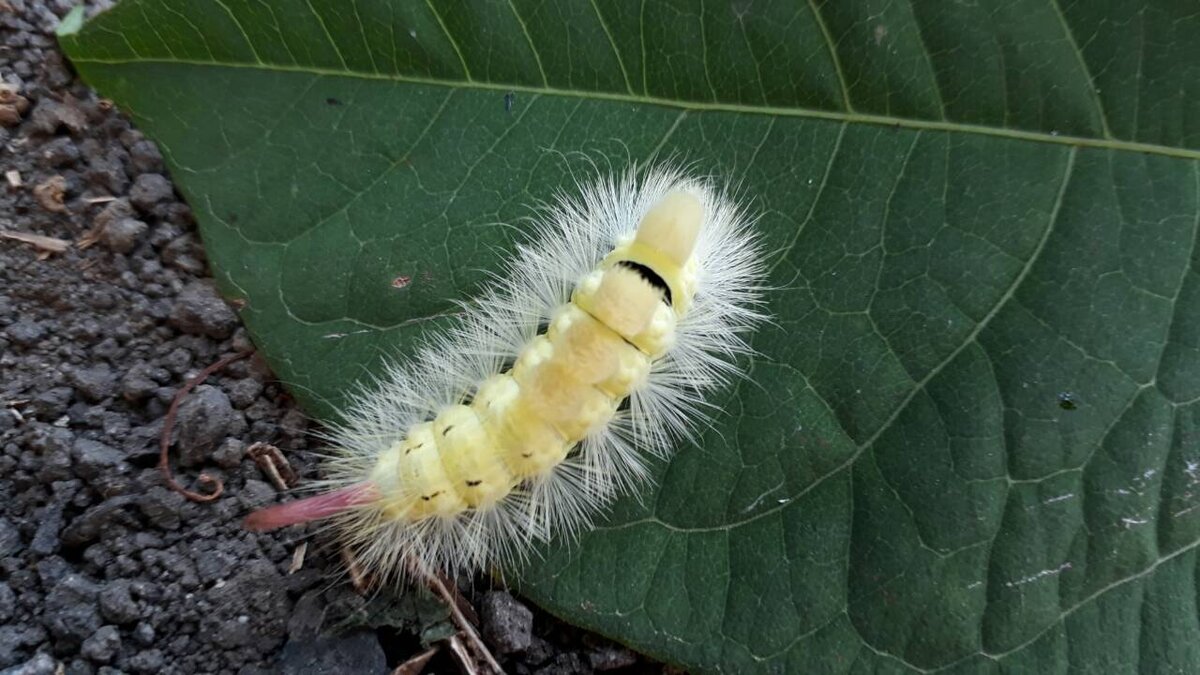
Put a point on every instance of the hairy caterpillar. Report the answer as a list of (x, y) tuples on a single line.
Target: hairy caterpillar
[(590, 355)]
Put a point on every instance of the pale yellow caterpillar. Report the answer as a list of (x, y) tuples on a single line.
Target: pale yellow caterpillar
[(590, 356)]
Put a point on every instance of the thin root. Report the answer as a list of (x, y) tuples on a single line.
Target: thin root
[(216, 487)]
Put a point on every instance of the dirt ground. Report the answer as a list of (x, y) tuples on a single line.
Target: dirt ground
[(103, 569)]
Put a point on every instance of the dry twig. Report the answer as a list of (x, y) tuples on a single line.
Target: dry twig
[(46, 246), (274, 464), (416, 664)]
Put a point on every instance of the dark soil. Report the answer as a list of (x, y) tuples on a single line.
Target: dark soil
[(103, 568)]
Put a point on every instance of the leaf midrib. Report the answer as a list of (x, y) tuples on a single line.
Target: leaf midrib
[(698, 106)]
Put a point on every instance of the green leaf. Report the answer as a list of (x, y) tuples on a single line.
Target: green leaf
[(972, 441)]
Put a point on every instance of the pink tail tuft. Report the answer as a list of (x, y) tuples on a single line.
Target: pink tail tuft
[(311, 508)]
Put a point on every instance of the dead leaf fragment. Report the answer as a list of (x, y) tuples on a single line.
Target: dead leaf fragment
[(12, 105), (51, 194), (14, 178)]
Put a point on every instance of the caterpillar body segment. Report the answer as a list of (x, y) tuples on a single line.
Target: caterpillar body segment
[(557, 386)]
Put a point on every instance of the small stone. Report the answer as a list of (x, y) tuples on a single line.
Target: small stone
[(52, 404), (507, 624), (184, 253), (162, 507), (150, 189), (59, 152), (26, 332), (357, 652), (243, 392), (256, 494), (144, 634), (108, 173), (103, 645), (199, 310), (230, 454), (145, 157), (569, 663), (50, 523), (117, 603), (118, 209), (89, 525), (8, 602), (203, 422), (140, 381), (610, 657), (10, 538), (149, 661), (13, 637), (71, 613), (54, 446), (41, 664), (95, 383), (122, 236), (93, 458), (49, 115), (259, 593), (178, 361)]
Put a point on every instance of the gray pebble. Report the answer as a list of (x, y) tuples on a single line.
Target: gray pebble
[(114, 211), (203, 422), (149, 661), (71, 612), (40, 664), (150, 189), (161, 506), (259, 593), (13, 637), (8, 603), (569, 663), (95, 383), (184, 253), (357, 652), (144, 634), (230, 454), (140, 381), (91, 523), (54, 446), (177, 361), (507, 624), (256, 494), (122, 235), (10, 538), (145, 157), (610, 657), (117, 603), (93, 458), (108, 173), (51, 404), (26, 332), (199, 310), (59, 152), (50, 523), (102, 646)]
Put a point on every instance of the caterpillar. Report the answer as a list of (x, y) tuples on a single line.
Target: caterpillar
[(592, 354)]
